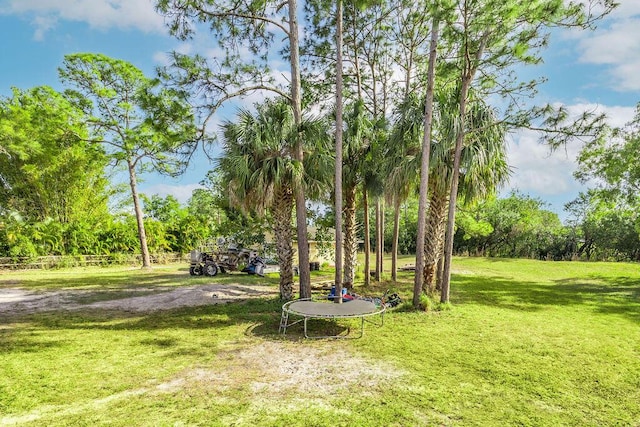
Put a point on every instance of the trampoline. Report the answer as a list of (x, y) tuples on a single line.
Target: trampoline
[(305, 309)]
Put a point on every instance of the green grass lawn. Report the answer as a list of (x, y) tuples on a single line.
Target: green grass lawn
[(525, 343)]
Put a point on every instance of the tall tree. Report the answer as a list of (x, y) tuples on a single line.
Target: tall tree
[(493, 36), (410, 35), (367, 72), (358, 130), (239, 26), (138, 122), (338, 163), (425, 157)]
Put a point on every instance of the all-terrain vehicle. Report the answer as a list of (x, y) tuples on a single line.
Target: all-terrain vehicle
[(209, 262)]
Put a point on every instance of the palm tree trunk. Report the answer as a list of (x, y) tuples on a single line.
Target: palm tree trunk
[(367, 242), (396, 236), (350, 236), (142, 235), (378, 240), (434, 238), (284, 249)]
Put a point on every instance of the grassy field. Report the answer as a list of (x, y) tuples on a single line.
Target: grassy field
[(524, 343)]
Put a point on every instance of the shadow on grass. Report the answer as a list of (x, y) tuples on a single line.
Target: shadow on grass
[(24, 333), (215, 315), (603, 294), (260, 317), (105, 280), (130, 279)]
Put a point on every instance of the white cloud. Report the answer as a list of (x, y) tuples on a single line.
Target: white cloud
[(542, 172), (617, 116), (616, 44), (43, 24), (538, 170), (98, 14), (181, 192)]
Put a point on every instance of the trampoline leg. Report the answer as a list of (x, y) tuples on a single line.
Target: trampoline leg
[(284, 320)]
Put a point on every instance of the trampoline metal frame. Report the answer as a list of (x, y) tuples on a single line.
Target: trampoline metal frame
[(346, 310)]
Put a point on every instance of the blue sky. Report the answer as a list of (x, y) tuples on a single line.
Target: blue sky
[(586, 70)]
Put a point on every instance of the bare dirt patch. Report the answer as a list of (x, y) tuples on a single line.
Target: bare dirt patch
[(299, 375), (16, 300), (287, 369)]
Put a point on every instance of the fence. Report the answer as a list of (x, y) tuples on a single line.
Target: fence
[(64, 261)]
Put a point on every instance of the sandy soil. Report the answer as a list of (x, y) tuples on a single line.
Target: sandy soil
[(16, 300)]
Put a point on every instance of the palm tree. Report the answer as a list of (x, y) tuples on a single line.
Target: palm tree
[(356, 145), (259, 166), (372, 187), (403, 161), (483, 167)]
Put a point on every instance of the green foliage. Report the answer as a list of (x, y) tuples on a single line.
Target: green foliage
[(606, 218), (247, 34), (516, 226), (258, 158), (325, 240), (614, 159), (47, 168), (604, 228), (429, 303), (139, 122), (473, 226)]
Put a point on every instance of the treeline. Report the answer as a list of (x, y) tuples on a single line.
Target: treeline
[(170, 228), (519, 227)]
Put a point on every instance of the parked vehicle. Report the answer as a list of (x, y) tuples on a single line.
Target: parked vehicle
[(210, 262)]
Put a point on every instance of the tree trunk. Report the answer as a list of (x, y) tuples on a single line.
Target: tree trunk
[(453, 195), (298, 154), (434, 238), (283, 235), (142, 235), (396, 236), (350, 236), (338, 171), (382, 224), (367, 237), (468, 72), (424, 165), (378, 245)]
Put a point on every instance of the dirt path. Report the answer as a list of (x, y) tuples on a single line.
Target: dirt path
[(16, 300)]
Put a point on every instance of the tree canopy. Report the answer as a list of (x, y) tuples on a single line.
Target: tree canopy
[(47, 167), (140, 123)]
